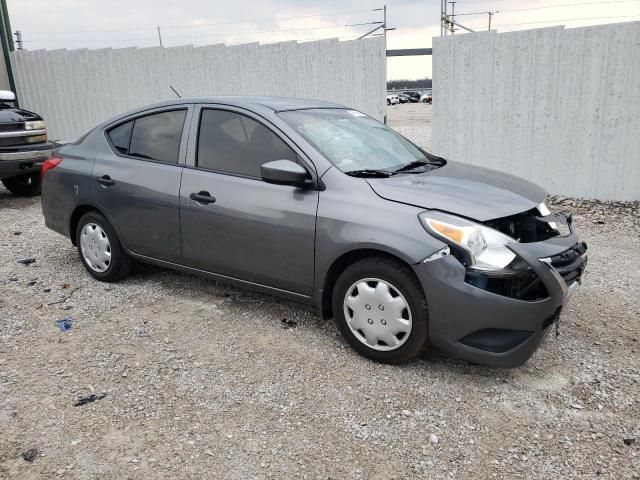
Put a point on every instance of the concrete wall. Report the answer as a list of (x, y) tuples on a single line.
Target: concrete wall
[(76, 89), (559, 107)]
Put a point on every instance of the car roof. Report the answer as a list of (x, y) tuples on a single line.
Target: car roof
[(277, 104)]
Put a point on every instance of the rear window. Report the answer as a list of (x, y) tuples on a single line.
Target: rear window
[(120, 137), (152, 137)]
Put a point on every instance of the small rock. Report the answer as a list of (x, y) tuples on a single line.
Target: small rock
[(406, 413), (27, 261), (433, 439), (209, 452), (75, 442), (577, 406), (629, 441), (288, 323), (30, 454)]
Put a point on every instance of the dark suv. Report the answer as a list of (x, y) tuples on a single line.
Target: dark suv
[(23, 147)]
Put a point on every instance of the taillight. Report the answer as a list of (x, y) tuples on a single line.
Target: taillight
[(50, 163)]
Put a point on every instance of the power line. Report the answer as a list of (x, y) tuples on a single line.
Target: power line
[(133, 39), (568, 20), (209, 24), (270, 31), (149, 38), (567, 5)]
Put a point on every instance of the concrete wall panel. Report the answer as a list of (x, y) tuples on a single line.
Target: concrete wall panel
[(559, 107), (76, 89)]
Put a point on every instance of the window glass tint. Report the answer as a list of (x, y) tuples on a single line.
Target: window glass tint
[(157, 136), (120, 136), (232, 143)]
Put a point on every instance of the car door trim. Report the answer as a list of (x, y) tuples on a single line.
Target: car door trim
[(225, 278)]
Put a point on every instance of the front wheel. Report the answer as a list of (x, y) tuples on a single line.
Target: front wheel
[(26, 185), (100, 250), (380, 309), (388, 102)]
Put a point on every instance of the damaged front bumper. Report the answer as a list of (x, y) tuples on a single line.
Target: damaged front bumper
[(502, 327)]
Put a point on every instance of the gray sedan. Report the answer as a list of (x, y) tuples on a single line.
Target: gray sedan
[(319, 203)]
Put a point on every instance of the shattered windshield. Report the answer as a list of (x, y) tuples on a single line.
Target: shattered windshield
[(353, 141)]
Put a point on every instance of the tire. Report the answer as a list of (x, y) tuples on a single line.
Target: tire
[(27, 185), (388, 102), (93, 249), (370, 274)]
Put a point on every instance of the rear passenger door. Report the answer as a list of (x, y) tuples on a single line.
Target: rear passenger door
[(137, 180), (249, 229)]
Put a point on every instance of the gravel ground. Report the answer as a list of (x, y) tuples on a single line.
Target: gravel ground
[(195, 379)]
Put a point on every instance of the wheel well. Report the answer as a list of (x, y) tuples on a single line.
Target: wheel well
[(75, 218), (339, 266)]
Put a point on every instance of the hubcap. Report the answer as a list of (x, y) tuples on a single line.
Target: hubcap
[(95, 247), (377, 314)]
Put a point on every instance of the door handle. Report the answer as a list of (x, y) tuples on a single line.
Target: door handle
[(202, 197), (105, 180)]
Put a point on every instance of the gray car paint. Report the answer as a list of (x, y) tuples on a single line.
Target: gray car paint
[(467, 190), (143, 193), (268, 236)]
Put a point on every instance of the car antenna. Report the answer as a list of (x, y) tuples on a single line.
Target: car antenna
[(174, 91)]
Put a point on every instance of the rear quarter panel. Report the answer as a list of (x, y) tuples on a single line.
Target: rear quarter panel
[(69, 185)]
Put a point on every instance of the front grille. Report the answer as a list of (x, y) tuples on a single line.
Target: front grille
[(12, 141), (12, 127), (571, 263)]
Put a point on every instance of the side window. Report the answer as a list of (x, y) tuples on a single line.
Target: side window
[(233, 143), (157, 136), (154, 137), (120, 136)]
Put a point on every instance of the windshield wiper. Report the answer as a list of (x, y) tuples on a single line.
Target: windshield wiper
[(370, 173), (412, 165)]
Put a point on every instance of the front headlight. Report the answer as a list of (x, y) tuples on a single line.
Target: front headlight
[(484, 246), (35, 125)]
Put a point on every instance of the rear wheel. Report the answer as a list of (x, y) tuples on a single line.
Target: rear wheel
[(27, 185), (380, 309), (100, 250)]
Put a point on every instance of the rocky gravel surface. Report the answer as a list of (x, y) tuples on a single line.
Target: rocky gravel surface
[(164, 375)]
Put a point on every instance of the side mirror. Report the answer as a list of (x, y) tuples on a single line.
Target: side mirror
[(7, 96), (285, 172)]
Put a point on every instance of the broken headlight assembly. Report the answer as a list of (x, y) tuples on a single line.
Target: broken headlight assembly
[(483, 248)]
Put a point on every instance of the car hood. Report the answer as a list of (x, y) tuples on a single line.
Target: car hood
[(473, 192), (16, 115)]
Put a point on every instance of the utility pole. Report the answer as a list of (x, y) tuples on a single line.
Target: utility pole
[(453, 15), (160, 36), (491, 14), (384, 25), (19, 39)]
